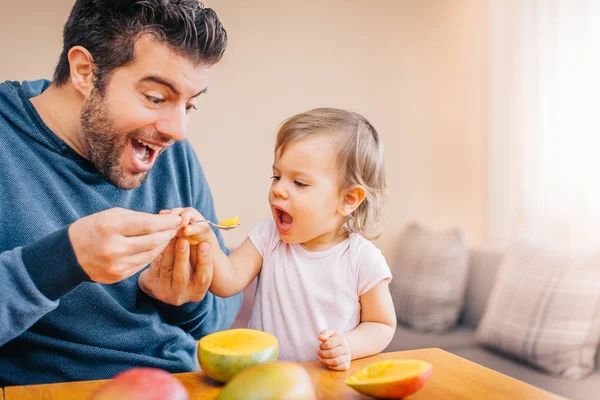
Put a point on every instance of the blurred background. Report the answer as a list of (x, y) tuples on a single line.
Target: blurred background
[(418, 70), (486, 107)]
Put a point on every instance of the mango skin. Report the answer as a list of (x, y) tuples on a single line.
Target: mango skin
[(277, 380), (222, 367), (142, 384)]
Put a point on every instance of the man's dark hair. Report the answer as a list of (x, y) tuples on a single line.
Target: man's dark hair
[(108, 29)]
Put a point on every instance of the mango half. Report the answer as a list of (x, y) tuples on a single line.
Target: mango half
[(278, 380), (391, 379), (224, 354)]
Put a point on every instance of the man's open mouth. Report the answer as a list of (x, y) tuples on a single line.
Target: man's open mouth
[(144, 151)]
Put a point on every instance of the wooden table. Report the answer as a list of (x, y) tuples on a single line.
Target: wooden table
[(452, 378)]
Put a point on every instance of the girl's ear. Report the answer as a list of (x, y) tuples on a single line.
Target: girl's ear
[(352, 199)]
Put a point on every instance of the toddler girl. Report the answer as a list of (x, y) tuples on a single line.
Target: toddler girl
[(322, 286)]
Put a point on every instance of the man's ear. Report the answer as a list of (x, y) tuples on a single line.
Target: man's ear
[(82, 67), (351, 200)]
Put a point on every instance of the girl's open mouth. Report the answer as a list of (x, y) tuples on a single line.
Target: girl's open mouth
[(283, 220)]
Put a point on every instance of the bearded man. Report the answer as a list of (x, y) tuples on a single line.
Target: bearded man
[(88, 161)]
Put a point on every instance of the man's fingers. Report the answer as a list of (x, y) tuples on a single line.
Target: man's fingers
[(200, 281), (181, 267), (153, 257), (144, 243), (153, 272), (196, 229), (189, 214), (138, 223), (168, 258), (194, 251), (149, 277)]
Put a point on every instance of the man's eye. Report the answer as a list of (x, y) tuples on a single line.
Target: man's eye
[(300, 184), (155, 100)]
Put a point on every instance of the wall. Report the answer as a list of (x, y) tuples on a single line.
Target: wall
[(416, 69)]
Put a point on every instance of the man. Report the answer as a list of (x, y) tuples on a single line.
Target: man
[(87, 163)]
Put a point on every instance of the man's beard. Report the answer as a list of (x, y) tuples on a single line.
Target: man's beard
[(104, 144)]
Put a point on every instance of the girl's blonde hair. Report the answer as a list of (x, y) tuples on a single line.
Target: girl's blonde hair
[(360, 158)]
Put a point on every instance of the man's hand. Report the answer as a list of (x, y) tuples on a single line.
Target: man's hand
[(115, 244), (194, 233), (179, 275), (335, 351)]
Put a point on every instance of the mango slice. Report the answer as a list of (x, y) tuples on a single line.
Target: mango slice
[(391, 379)]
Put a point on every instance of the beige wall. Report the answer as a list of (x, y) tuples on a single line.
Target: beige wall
[(416, 69)]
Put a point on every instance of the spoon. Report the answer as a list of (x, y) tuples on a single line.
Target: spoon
[(218, 226)]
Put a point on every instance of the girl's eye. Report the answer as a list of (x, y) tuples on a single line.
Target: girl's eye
[(300, 184), (155, 100), (190, 107), (275, 177)]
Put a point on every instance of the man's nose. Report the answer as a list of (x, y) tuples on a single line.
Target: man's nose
[(173, 125)]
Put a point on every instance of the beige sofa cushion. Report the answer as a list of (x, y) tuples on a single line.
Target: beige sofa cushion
[(430, 272), (544, 308)]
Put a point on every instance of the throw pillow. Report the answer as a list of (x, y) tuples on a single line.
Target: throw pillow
[(544, 308), (430, 273)]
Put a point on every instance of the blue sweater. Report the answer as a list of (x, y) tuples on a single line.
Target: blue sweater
[(55, 324)]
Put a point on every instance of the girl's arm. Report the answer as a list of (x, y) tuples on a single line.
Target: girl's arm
[(377, 322), (371, 336), (232, 274)]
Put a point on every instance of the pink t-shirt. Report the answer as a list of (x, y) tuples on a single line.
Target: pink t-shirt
[(300, 293)]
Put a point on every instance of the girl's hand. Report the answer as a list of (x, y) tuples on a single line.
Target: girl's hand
[(335, 351), (194, 233)]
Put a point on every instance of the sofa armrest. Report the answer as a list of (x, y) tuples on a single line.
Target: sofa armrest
[(484, 264)]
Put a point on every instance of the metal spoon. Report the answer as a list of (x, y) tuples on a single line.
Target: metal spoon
[(223, 227)]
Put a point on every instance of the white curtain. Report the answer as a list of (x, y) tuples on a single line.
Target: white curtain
[(544, 143)]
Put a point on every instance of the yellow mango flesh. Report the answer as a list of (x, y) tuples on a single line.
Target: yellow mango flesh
[(391, 379), (230, 221), (277, 380), (224, 354)]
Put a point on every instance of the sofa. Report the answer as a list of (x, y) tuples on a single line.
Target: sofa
[(484, 265), (460, 340)]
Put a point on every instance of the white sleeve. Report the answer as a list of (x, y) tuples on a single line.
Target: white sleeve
[(264, 236), (371, 267)]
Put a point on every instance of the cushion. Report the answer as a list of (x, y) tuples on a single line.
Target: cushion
[(545, 309), (584, 389), (430, 272)]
